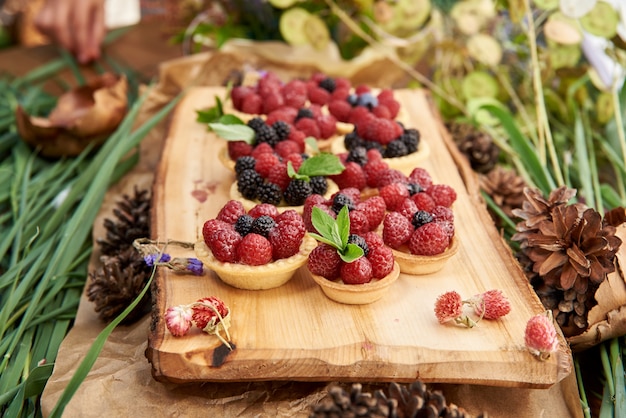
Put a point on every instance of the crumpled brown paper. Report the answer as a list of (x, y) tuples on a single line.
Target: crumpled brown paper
[(120, 382)]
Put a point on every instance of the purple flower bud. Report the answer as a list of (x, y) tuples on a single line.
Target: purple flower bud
[(150, 259), (195, 266)]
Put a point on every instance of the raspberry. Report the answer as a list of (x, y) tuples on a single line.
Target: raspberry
[(285, 114), (263, 148), (317, 77), (352, 192), (316, 110), (265, 162), (286, 237), (429, 239), (252, 104), (223, 244), (340, 93), (318, 95), (295, 159), (373, 169), (392, 105), (362, 88), (373, 240), (298, 137), (272, 102), (357, 272), (278, 175), (309, 203), (352, 176), (385, 94), (340, 109), (423, 201), (359, 224), (421, 176), (342, 83), (284, 148), (231, 211), (254, 250), (382, 260), (390, 176), (442, 194), (264, 209), (442, 213), (397, 229), (269, 84), (394, 194), (295, 93), (324, 261), (374, 209), (290, 215), (327, 125), (380, 130), (359, 117), (238, 93), (447, 226), (309, 127), (382, 112), (238, 149), (407, 208), (362, 125), (213, 225)]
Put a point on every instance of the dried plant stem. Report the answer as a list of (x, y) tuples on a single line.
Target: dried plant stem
[(620, 123), (387, 52)]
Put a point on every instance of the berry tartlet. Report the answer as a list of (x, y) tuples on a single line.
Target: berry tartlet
[(349, 268), (254, 250)]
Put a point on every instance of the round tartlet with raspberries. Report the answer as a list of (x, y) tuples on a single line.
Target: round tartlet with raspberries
[(419, 226), (349, 268), (254, 250)]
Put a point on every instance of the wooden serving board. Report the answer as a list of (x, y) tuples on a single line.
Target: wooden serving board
[(295, 333)]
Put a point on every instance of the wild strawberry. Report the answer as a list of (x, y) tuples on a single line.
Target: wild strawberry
[(265, 162), (238, 149), (491, 304), (397, 229), (407, 208), (374, 209), (448, 306), (423, 201), (391, 175), (327, 125), (351, 176), (309, 127), (359, 224), (205, 311), (421, 176), (393, 194), (442, 194), (382, 259), (223, 244), (357, 272), (340, 109), (324, 261), (213, 225), (231, 211), (429, 239), (254, 250), (252, 104), (540, 336), (264, 209)]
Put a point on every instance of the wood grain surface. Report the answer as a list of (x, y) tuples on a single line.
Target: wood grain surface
[(295, 333)]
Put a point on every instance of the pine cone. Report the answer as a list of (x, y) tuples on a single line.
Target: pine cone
[(477, 146), (115, 284), (402, 402), (505, 188), (132, 221), (568, 251)]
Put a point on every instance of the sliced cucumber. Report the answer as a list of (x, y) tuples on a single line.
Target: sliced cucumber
[(602, 20), (316, 32), (479, 84), (291, 26)]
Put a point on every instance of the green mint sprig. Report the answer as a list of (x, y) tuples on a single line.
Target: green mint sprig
[(227, 126), (335, 232), (324, 164)]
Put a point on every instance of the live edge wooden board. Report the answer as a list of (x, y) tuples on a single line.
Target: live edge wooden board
[(294, 332)]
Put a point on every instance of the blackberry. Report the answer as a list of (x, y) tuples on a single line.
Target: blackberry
[(266, 134), (353, 99), (319, 185), (270, 193), (414, 188), (244, 224), (244, 163), (304, 113), (374, 145), (358, 155), (360, 241), (297, 191), (395, 148), (263, 225), (328, 84), (353, 140), (411, 138), (340, 200), (256, 123), (248, 183), (282, 129), (421, 217)]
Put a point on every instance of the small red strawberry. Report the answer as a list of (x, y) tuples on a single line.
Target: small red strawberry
[(429, 239), (324, 261), (357, 272), (397, 229), (254, 250)]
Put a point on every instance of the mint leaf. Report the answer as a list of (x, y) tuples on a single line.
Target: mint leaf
[(292, 173), (233, 132), (327, 228), (229, 119), (212, 114), (351, 253), (343, 226), (324, 164), (312, 142)]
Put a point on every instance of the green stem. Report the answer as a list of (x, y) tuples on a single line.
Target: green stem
[(581, 389), (620, 128)]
